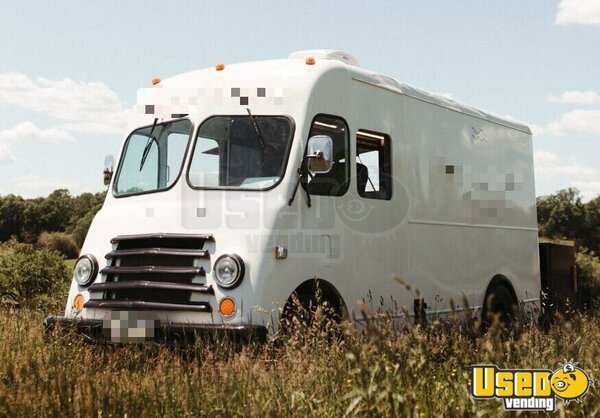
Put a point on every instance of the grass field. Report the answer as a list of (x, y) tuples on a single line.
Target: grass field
[(418, 372)]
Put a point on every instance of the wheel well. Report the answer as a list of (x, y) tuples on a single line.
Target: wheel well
[(505, 313), (497, 281), (308, 289)]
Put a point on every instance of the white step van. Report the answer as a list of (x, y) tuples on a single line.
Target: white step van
[(243, 184)]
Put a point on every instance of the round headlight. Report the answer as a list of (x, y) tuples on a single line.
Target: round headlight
[(229, 270), (85, 270)]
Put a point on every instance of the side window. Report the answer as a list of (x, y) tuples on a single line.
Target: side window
[(337, 180), (373, 165)]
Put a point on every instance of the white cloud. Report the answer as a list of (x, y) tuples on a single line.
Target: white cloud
[(89, 127), (589, 189), (576, 97), (78, 106), (550, 166), (6, 155), (28, 132), (584, 12), (575, 121), (82, 106)]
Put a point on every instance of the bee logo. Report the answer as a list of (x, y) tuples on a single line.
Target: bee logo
[(570, 383)]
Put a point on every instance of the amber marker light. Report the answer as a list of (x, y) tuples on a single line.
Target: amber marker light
[(227, 307), (78, 302), (220, 66), (310, 61), (155, 81)]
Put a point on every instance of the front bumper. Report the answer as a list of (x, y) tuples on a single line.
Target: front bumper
[(166, 332)]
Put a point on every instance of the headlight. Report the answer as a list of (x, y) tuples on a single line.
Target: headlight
[(229, 270), (86, 270)]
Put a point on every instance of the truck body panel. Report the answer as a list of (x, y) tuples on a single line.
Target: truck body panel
[(461, 211)]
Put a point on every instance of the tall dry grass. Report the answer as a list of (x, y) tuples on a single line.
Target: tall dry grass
[(376, 371)]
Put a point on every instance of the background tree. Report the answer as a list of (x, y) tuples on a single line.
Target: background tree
[(561, 215), (12, 209), (85, 207), (564, 216), (27, 219), (590, 236)]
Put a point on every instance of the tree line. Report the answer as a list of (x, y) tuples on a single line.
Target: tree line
[(57, 222), (562, 215), (61, 221)]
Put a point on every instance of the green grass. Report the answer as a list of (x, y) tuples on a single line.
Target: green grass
[(417, 372)]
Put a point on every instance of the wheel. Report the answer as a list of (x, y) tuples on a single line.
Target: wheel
[(310, 305), (500, 306), (306, 308)]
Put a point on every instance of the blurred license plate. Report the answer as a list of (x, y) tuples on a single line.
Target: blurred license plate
[(129, 326)]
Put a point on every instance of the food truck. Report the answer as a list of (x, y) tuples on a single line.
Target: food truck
[(240, 185)]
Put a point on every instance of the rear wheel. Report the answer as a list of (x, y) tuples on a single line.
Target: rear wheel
[(500, 309)]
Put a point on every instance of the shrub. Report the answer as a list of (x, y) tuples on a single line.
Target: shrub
[(26, 272), (588, 276), (60, 242)]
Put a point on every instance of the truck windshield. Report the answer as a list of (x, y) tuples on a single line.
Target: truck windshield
[(152, 158), (245, 152)]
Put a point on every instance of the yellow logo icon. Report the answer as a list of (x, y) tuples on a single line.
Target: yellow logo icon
[(570, 383), (530, 389)]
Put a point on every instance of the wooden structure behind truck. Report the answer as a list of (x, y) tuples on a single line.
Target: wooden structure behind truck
[(558, 279)]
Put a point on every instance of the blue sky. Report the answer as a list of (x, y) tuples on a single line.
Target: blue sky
[(69, 70)]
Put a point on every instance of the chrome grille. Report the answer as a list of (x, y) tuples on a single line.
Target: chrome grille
[(155, 272)]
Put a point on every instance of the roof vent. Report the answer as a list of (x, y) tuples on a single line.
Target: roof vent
[(328, 54)]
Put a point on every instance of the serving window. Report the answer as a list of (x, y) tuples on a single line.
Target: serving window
[(373, 165)]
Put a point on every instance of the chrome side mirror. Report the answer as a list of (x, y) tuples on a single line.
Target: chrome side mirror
[(109, 162), (320, 154)]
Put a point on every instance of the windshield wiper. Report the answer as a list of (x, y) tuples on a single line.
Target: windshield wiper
[(259, 136), (148, 145)]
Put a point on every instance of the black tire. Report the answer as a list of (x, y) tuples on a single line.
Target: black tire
[(501, 304), (302, 307)]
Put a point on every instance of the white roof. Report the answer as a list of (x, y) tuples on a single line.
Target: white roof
[(394, 85), (284, 68), (328, 54)]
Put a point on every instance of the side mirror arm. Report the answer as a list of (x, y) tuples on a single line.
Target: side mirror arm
[(303, 174), (107, 176), (108, 169)]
